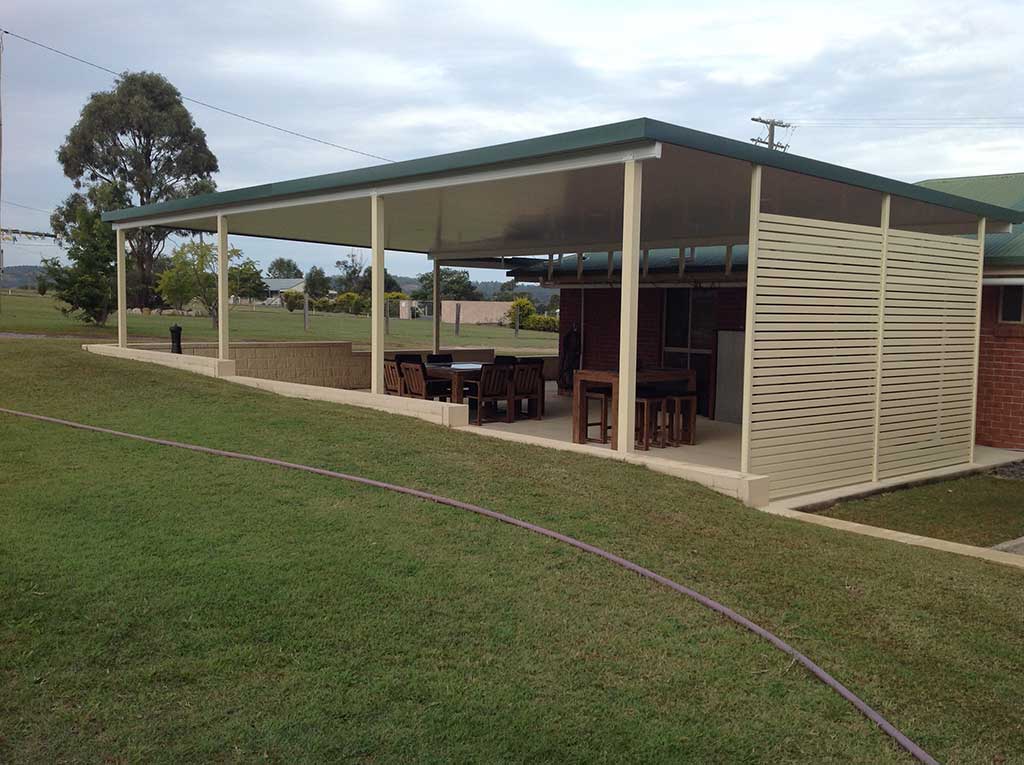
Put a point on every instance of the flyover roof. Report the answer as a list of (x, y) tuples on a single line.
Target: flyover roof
[(636, 131)]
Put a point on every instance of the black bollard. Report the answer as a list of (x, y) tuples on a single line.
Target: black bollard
[(175, 338)]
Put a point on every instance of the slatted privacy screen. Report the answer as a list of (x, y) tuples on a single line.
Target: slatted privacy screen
[(817, 330), (815, 353), (928, 360)]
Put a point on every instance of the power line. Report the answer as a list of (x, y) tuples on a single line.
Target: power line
[(25, 207), (196, 101), (916, 122)]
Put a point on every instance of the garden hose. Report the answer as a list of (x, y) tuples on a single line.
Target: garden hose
[(898, 736)]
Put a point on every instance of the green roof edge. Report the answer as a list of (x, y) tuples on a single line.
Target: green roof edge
[(603, 136)]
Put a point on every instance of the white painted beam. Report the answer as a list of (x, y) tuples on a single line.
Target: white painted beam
[(748, 336), (436, 306), (977, 334), (223, 348), (377, 295), (631, 206), (886, 214), (122, 294)]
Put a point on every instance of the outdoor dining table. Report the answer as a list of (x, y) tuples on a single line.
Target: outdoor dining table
[(584, 377), (458, 372)]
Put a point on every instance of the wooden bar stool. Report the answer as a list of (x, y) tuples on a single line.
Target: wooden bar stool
[(682, 416), (650, 428), (602, 394)]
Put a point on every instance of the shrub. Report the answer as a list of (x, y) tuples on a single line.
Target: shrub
[(292, 299), (351, 302), (540, 323), (526, 310)]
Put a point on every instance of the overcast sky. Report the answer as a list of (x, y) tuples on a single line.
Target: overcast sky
[(409, 79)]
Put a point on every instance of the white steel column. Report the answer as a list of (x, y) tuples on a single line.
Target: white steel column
[(436, 306), (748, 335), (886, 208), (977, 334), (222, 288), (122, 293), (626, 419), (377, 295)]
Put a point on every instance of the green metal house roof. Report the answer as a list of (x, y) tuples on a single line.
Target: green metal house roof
[(1005, 190), (588, 139)]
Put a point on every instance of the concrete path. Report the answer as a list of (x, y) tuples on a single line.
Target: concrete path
[(1015, 546)]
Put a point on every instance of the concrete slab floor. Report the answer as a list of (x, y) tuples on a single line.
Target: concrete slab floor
[(717, 446)]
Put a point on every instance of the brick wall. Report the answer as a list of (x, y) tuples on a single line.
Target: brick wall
[(600, 325), (731, 308), (330, 364), (1000, 378)]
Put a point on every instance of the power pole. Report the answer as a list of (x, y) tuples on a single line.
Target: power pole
[(771, 124)]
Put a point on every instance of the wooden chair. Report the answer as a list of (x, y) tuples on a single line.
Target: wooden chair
[(393, 384), (417, 385), (528, 386), (408, 358), (506, 360), (494, 385), (440, 358)]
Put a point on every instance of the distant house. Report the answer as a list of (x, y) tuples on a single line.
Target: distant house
[(1001, 356), (277, 286)]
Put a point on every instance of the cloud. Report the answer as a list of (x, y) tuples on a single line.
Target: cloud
[(407, 79)]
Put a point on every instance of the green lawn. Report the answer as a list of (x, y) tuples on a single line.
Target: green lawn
[(980, 510), (27, 312), (165, 606)]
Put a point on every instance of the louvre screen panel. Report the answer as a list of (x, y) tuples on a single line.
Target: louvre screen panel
[(928, 355), (815, 353), (858, 340)]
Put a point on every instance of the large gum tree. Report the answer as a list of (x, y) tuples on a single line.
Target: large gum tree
[(141, 143)]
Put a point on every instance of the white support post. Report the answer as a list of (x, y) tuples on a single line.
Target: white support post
[(886, 209), (631, 205), (748, 339), (977, 334), (436, 305), (223, 351), (377, 295), (122, 293)]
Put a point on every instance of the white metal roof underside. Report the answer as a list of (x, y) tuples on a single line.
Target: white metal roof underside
[(568, 204)]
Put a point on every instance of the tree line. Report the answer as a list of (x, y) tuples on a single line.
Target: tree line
[(138, 144)]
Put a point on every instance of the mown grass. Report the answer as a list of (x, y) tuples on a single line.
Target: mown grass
[(980, 510), (27, 312), (166, 606)]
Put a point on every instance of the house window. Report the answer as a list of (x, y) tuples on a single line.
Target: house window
[(1011, 304)]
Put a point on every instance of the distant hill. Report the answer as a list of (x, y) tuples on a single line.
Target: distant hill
[(408, 283), (19, 277), (540, 295)]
